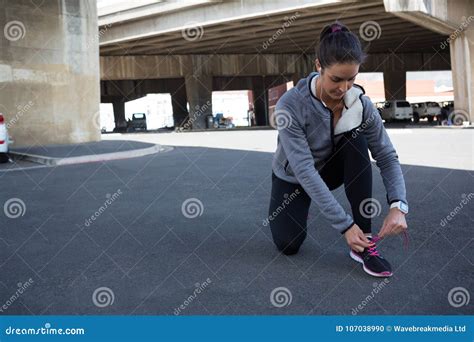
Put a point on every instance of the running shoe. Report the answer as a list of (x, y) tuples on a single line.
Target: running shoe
[(373, 263)]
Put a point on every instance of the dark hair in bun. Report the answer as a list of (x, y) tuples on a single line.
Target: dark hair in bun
[(337, 44)]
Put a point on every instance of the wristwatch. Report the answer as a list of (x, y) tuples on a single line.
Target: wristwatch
[(400, 205)]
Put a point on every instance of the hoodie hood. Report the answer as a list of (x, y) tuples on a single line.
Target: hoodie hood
[(352, 114)]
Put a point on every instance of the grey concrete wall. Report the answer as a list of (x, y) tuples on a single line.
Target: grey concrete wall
[(461, 45), (169, 66), (49, 71), (162, 66)]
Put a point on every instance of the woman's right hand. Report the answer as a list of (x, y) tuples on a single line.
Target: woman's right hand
[(356, 239)]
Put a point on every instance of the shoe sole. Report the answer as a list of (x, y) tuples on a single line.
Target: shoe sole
[(385, 274)]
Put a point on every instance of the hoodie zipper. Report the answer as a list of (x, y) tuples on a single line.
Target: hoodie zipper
[(332, 130), (331, 114)]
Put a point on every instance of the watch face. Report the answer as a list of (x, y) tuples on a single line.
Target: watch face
[(404, 206)]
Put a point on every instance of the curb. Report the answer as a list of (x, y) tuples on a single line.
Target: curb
[(51, 161), (235, 129), (456, 127)]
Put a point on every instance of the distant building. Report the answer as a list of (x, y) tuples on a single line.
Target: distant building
[(417, 91)]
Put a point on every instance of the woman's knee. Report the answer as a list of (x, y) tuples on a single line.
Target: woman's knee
[(289, 244), (288, 214), (288, 247)]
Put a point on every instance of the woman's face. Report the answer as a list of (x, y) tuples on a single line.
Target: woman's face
[(337, 79)]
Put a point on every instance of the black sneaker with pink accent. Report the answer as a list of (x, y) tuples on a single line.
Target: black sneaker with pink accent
[(373, 263)]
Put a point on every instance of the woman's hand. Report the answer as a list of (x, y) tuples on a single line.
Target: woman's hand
[(356, 239), (394, 223)]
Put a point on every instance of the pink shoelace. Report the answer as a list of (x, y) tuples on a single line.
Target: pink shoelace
[(373, 248)]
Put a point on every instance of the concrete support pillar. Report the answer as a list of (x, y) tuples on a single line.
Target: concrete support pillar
[(199, 95), (179, 101), (119, 116), (260, 97), (462, 67), (49, 71), (395, 85)]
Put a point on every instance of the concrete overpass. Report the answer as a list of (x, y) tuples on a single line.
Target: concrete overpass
[(192, 48), (49, 71)]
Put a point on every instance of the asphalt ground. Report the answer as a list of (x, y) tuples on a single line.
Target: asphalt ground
[(192, 219)]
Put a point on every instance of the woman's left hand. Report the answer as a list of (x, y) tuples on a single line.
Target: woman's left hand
[(394, 223)]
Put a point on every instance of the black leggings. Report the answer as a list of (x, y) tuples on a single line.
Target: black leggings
[(349, 165)]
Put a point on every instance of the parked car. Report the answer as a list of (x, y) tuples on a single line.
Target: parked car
[(4, 140), (397, 110), (138, 121), (428, 110), (448, 105), (446, 108), (379, 106)]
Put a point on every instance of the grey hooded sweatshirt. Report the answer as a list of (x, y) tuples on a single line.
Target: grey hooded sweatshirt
[(306, 138)]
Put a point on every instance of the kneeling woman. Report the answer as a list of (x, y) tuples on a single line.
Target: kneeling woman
[(325, 128)]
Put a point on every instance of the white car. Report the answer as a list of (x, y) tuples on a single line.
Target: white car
[(428, 110), (396, 110), (4, 140)]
